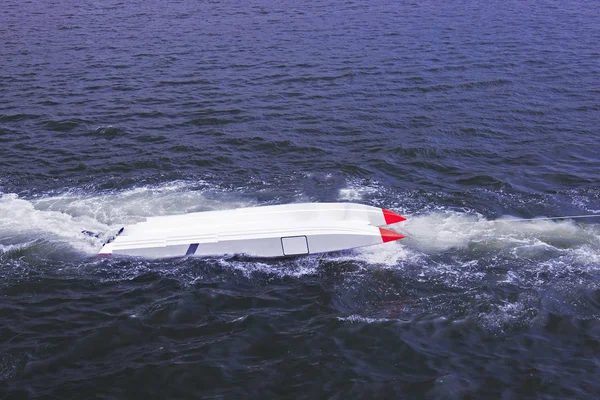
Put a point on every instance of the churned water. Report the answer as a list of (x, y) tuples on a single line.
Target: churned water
[(460, 115)]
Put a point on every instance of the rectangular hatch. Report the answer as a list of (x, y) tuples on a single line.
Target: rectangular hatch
[(294, 245)]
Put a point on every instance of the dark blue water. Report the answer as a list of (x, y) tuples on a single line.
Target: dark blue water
[(458, 115)]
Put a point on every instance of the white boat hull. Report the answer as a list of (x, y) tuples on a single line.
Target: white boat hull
[(271, 231)]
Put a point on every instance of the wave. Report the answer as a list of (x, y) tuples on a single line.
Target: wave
[(62, 216), (497, 273), (59, 219), (443, 231)]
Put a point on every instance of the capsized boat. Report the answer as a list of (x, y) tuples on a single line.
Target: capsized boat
[(268, 231)]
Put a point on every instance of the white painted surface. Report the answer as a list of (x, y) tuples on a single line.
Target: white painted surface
[(278, 214), (271, 231)]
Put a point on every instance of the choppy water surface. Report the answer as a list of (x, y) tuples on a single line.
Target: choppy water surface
[(460, 115)]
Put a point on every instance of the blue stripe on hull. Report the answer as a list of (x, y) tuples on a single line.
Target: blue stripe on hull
[(192, 249)]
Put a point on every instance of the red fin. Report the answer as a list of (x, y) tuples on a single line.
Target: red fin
[(389, 236), (392, 217)]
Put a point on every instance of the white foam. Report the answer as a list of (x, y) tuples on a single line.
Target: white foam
[(302, 266), (386, 254), (365, 320), (505, 316), (61, 218), (14, 247), (587, 255), (132, 205), (358, 190), (438, 232), (20, 221), (350, 194)]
